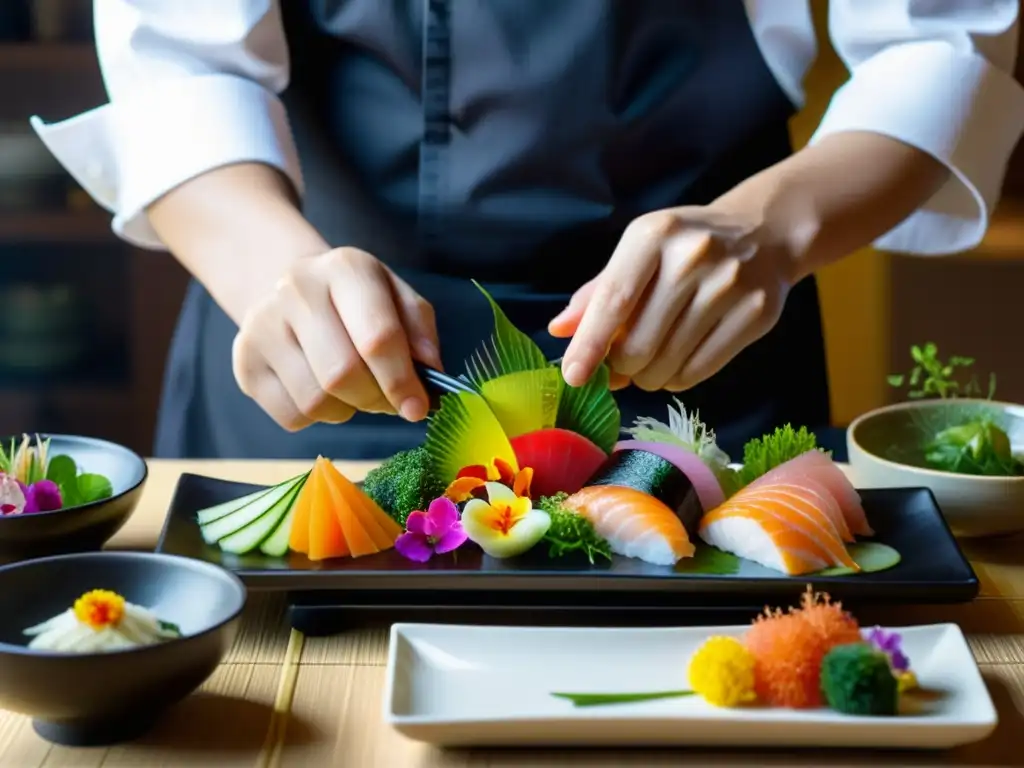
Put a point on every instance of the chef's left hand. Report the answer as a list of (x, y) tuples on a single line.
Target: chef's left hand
[(685, 291)]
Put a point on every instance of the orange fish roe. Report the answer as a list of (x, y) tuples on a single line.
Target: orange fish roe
[(788, 649)]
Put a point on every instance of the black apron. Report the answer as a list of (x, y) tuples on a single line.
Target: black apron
[(510, 141)]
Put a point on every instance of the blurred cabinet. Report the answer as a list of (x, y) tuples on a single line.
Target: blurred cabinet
[(85, 320)]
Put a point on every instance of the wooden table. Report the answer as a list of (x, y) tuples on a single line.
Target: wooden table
[(283, 700)]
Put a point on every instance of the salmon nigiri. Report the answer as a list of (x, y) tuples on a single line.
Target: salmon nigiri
[(779, 526), (634, 523), (816, 467)]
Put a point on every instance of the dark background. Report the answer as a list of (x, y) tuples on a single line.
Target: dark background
[(85, 320)]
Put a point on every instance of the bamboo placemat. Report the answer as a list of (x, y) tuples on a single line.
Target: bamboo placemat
[(284, 700)]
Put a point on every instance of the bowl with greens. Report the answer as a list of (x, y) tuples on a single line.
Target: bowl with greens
[(61, 494), (951, 436)]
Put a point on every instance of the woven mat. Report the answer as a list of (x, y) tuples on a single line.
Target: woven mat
[(284, 700)]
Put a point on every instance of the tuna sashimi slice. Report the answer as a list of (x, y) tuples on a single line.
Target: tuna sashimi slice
[(704, 482), (816, 466)]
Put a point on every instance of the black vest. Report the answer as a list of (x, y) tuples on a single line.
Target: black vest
[(511, 141)]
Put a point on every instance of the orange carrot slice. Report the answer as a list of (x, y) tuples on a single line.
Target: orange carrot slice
[(358, 539), (298, 540), (326, 536), (364, 514)]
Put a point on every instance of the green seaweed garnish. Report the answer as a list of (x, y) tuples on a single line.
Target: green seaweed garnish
[(597, 699), (763, 454), (857, 679), (571, 532), (167, 626)]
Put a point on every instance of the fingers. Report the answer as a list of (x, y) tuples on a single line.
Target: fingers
[(617, 381), (363, 297), (718, 291), (749, 320), (417, 316), (565, 323), (277, 376), (685, 260), (616, 293)]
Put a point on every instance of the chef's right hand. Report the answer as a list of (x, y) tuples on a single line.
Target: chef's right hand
[(337, 335)]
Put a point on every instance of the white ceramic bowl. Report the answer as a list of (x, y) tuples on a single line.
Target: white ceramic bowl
[(972, 505)]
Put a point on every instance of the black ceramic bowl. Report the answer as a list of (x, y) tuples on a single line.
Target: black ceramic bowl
[(85, 527), (104, 698)]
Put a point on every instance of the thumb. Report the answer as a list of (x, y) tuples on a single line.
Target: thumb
[(565, 323), (417, 316)]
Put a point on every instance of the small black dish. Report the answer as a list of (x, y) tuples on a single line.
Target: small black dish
[(932, 570), (86, 527), (99, 699)]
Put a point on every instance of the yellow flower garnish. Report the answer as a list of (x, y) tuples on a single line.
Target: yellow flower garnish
[(505, 525), (100, 609), (906, 681), (722, 671)]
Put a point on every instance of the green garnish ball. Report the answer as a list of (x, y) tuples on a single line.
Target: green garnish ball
[(857, 679), (404, 483)]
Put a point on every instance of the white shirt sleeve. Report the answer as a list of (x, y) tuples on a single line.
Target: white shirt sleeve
[(192, 86), (937, 76)]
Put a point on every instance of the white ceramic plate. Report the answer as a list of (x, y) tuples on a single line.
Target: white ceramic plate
[(475, 686)]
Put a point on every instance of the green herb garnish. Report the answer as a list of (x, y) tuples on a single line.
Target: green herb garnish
[(597, 699), (404, 483), (26, 461), (75, 488), (763, 454), (857, 679), (169, 627), (930, 377), (570, 531), (965, 439)]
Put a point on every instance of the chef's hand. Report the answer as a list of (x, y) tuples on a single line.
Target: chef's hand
[(684, 292), (337, 335)]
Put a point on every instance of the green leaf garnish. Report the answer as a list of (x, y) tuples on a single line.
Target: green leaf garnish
[(464, 432), (92, 487), (871, 556), (597, 699), (710, 561), (591, 411), (509, 351), (64, 472), (170, 627), (571, 532), (763, 454), (931, 377)]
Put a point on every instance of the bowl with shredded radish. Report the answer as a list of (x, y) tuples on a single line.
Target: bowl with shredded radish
[(96, 646)]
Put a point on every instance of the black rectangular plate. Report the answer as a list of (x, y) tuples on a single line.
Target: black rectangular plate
[(933, 570)]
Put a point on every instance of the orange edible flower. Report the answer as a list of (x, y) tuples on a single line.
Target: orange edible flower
[(100, 609), (470, 481)]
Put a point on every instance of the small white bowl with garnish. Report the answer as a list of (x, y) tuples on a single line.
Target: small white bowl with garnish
[(96, 646), (967, 450)]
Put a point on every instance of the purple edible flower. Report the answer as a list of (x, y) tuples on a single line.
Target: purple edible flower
[(890, 643), (43, 496), (435, 531)]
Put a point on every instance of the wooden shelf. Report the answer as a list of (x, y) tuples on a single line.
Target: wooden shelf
[(89, 226), (46, 57)]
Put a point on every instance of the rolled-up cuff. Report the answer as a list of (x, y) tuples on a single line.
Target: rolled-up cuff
[(129, 153), (955, 106)]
